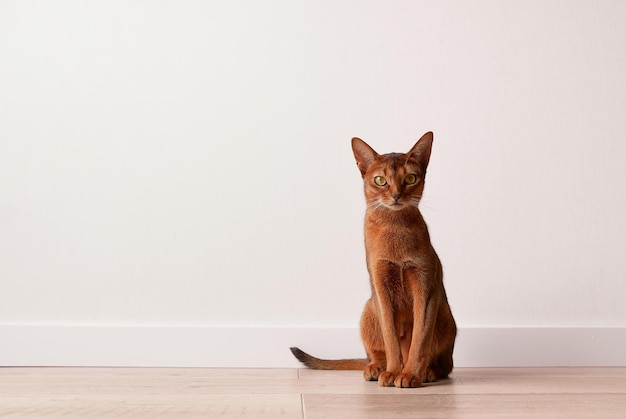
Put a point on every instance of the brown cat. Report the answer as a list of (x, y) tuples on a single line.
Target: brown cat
[(407, 327)]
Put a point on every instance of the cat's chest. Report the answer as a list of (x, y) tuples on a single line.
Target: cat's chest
[(395, 244)]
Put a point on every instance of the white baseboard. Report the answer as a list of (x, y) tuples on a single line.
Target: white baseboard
[(268, 347)]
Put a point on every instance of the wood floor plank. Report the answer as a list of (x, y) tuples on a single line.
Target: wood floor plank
[(318, 406), (148, 393), (157, 406), (480, 381), (182, 381)]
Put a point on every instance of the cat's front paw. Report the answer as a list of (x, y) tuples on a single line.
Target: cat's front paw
[(372, 372), (407, 381), (387, 379)]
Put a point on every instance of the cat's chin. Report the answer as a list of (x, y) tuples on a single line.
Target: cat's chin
[(395, 207)]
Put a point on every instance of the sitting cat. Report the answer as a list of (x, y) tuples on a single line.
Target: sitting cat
[(407, 326)]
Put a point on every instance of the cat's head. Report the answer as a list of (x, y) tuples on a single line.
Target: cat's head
[(393, 181)]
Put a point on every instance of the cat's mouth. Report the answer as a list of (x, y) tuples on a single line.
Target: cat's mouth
[(395, 205)]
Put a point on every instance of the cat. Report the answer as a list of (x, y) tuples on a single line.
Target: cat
[(407, 327)]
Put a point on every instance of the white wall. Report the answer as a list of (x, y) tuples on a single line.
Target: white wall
[(188, 163)]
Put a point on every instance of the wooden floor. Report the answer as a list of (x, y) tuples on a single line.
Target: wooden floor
[(291, 393)]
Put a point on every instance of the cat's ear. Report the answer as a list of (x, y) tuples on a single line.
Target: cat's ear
[(363, 154), (421, 149)]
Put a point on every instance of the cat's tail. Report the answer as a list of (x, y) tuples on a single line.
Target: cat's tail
[(328, 364)]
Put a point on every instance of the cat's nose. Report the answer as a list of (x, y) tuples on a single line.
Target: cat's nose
[(395, 196)]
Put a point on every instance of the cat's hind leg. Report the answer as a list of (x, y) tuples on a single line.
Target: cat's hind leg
[(372, 338)]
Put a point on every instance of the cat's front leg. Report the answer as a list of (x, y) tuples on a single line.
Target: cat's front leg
[(385, 276), (425, 308)]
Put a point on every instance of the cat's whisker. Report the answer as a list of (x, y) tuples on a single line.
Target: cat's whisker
[(414, 201), (374, 204), (375, 207), (425, 204)]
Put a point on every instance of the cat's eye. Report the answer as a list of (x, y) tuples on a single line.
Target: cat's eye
[(380, 181), (410, 179)]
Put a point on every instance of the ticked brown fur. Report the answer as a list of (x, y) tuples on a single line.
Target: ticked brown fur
[(407, 326)]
